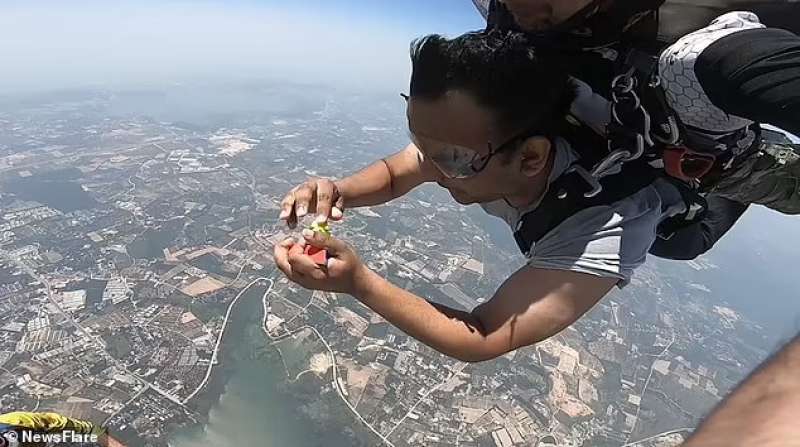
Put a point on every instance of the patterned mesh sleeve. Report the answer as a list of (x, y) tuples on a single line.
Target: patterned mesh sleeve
[(677, 68)]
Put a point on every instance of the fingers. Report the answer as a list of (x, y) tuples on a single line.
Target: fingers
[(297, 266), (287, 209), (297, 203), (303, 197), (338, 209), (315, 195), (332, 245), (281, 255), (325, 192), (303, 265)]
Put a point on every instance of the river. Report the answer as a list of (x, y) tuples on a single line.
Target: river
[(256, 406)]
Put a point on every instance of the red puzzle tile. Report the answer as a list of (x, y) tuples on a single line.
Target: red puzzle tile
[(318, 255)]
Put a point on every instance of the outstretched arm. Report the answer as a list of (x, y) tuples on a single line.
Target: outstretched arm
[(378, 183), (386, 179), (532, 305), (762, 411)]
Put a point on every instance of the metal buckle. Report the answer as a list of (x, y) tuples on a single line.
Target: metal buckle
[(594, 184), (622, 93), (624, 101), (671, 127)]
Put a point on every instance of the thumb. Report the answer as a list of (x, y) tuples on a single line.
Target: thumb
[(337, 211), (329, 243)]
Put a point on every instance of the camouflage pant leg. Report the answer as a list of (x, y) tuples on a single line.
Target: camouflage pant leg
[(770, 177)]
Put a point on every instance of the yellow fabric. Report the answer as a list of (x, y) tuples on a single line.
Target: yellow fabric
[(49, 422)]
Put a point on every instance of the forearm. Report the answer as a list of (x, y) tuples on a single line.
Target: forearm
[(760, 412), (384, 180), (367, 187), (452, 332)]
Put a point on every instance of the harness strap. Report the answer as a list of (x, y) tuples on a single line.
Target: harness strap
[(567, 196), (696, 211)]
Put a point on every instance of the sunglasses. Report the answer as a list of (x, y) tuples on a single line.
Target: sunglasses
[(459, 162)]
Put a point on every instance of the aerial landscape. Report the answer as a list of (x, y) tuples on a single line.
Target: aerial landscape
[(146, 149), (138, 291)]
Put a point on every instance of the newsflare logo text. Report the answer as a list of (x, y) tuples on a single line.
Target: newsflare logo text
[(67, 437)]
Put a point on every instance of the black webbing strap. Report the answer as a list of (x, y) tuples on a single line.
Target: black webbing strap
[(565, 198), (696, 210), (666, 126)]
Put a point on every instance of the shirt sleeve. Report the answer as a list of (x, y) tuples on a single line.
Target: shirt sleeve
[(608, 241)]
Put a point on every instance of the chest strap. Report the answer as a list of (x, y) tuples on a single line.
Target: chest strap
[(572, 193)]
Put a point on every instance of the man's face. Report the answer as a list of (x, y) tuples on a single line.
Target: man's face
[(454, 128), (540, 15)]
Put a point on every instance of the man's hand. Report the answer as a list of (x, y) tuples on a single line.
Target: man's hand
[(316, 195), (343, 273)]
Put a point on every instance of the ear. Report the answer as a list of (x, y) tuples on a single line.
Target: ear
[(534, 154)]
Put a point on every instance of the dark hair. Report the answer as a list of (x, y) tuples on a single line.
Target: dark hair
[(501, 70)]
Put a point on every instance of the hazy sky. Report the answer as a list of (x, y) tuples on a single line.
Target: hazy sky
[(53, 44)]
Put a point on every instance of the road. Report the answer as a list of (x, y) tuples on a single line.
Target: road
[(102, 347), (215, 354), (335, 368), (646, 384), (125, 405), (666, 433), (460, 367)]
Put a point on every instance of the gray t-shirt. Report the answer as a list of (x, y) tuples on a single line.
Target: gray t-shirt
[(608, 241)]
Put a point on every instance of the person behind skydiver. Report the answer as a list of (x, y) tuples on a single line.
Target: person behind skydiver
[(484, 111), (744, 72)]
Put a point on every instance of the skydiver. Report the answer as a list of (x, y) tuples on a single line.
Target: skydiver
[(745, 73), (484, 113), (331, 202)]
